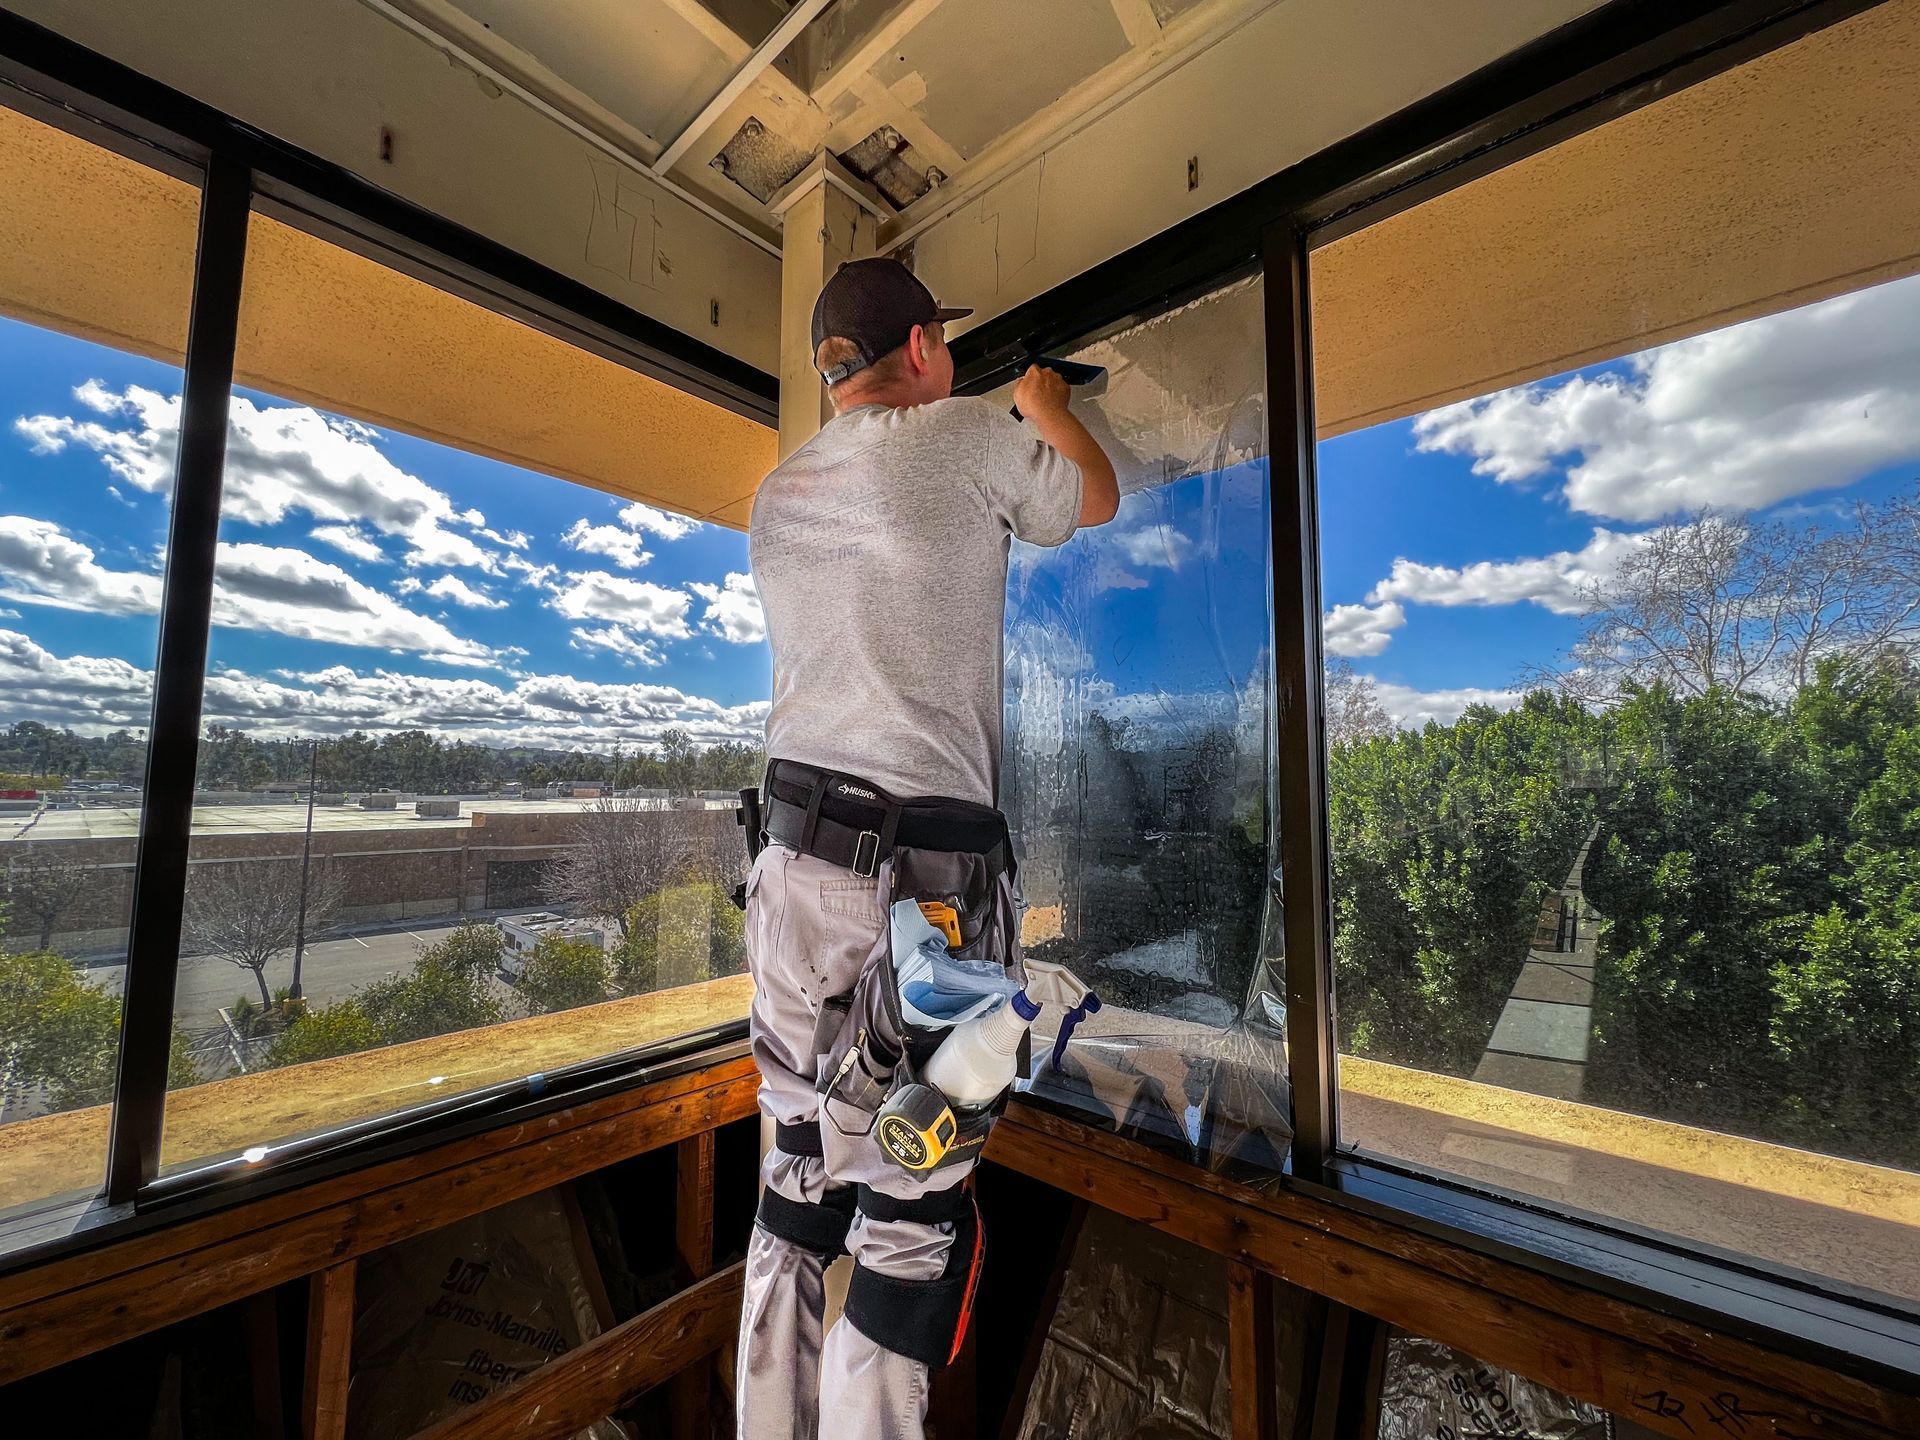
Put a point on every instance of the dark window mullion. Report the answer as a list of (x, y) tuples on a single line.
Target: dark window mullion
[(173, 739), (1299, 752)]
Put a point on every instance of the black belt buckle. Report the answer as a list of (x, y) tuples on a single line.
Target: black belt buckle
[(861, 845)]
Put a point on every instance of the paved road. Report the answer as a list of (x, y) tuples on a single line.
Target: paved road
[(330, 970)]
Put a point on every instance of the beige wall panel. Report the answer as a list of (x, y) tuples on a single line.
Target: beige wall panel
[(77, 225), (1782, 182), (328, 327), (328, 74), (1290, 82)]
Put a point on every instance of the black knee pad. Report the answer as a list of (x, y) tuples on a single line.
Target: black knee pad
[(820, 1226), (925, 1320)]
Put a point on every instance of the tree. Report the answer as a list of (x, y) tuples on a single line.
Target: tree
[(449, 989), (619, 853), (44, 882), (60, 1034), (247, 912), (563, 972), (1354, 712), (1722, 603), (678, 757), (674, 937)]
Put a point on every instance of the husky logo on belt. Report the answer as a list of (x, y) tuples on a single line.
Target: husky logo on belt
[(846, 789)]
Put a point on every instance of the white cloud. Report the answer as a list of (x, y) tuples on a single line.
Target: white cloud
[(280, 459), (634, 649), (95, 695), (43, 565), (512, 539), (1559, 582), (637, 604), (452, 587), (625, 548), (657, 522), (1410, 709), (530, 573), (289, 592), (1738, 419), (256, 587), (733, 609), (1159, 546), (1361, 629), (350, 539)]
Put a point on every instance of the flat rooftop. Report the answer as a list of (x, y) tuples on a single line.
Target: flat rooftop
[(110, 821)]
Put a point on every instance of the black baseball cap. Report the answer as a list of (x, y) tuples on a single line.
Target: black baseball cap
[(875, 304)]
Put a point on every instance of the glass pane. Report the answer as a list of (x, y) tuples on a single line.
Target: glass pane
[(471, 732), (1619, 533), (1137, 773), (96, 275)]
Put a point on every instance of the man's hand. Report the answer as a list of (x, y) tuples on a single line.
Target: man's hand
[(1041, 392), (1041, 396)]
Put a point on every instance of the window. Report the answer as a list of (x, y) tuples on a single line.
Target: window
[(1136, 770), (1620, 544), (96, 271), (470, 731)]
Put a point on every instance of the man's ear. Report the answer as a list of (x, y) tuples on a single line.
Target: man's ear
[(919, 349)]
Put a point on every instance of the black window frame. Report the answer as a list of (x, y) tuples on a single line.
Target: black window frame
[(1618, 58), (239, 171)]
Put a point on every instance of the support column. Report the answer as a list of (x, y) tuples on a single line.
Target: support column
[(829, 217)]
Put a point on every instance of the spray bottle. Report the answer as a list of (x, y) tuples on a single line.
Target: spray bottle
[(977, 1059)]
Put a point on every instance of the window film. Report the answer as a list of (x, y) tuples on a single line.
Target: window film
[(1618, 513), (1137, 774), (96, 277), (471, 733)]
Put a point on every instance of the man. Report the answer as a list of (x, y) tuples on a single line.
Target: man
[(880, 552)]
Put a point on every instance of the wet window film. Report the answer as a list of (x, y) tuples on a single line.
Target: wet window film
[(1137, 774)]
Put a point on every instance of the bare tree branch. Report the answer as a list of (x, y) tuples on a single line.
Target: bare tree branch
[(247, 912), (620, 851)]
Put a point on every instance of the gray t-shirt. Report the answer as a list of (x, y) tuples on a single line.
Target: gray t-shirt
[(880, 553)]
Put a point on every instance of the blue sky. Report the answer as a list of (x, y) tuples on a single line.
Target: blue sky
[(368, 578), (1455, 545), (374, 580)]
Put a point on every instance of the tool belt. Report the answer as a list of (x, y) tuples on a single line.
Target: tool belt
[(854, 824)]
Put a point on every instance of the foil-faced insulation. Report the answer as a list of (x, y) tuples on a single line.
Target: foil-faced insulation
[(1138, 1343), (1430, 1391)]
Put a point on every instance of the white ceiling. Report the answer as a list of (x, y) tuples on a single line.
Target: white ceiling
[(920, 98)]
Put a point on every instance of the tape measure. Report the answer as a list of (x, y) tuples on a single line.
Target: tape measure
[(916, 1128), (944, 918)]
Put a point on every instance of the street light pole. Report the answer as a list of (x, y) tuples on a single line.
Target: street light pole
[(306, 854)]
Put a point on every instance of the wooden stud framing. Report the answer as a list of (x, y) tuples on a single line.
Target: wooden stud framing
[(1629, 1359), (691, 1391), (72, 1307), (1250, 1353), (566, 1395), (323, 1410)]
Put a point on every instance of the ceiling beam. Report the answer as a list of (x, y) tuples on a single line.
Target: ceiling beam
[(864, 56), (1136, 17), (473, 47), (879, 101), (762, 56), (734, 49), (1199, 29)]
